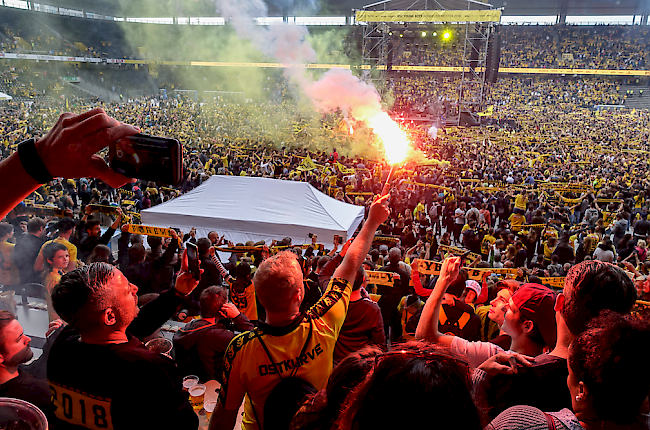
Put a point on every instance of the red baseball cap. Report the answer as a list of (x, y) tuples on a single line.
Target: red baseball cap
[(536, 303)]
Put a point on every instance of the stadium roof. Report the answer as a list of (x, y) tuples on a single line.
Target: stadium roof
[(344, 7)]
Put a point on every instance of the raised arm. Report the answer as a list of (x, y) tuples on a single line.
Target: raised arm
[(67, 151), (428, 325), (361, 245)]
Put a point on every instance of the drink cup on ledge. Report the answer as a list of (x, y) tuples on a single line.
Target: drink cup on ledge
[(190, 381), (197, 394), (209, 408)]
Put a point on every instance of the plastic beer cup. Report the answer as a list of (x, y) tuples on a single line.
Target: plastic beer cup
[(197, 393), (190, 381), (209, 408)]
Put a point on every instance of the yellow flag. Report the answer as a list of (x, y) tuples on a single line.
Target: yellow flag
[(487, 112)]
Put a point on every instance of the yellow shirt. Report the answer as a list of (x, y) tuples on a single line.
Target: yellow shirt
[(548, 252), (486, 244), (245, 301), (8, 270), (49, 281), (516, 221), (250, 373), (520, 201)]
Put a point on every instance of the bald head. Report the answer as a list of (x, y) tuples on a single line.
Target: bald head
[(394, 255)]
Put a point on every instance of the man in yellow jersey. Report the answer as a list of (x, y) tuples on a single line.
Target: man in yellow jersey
[(289, 343)]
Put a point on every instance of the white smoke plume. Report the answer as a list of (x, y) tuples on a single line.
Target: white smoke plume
[(285, 43), (340, 89), (433, 132)]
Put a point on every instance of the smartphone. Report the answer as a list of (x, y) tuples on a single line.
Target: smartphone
[(152, 158), (193, 260), (337, 239)]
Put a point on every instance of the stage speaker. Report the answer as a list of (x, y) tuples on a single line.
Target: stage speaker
[(493, 56), (473, 56), (467, 120)]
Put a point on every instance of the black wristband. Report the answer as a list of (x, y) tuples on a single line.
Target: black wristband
[(32, 162)]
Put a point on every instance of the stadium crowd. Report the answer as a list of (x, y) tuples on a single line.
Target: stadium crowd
[(517, 250), (535, 46)]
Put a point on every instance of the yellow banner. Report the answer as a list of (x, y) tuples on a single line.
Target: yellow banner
[(440, 187), (529, 226), (429, 16), (381, 278), (459, 251), (524, 70), (149, 230), (555, 282), (428, 267), (104, 209), (40, 210)]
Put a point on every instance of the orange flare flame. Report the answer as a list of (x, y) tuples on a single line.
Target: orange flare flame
[(395, 140)]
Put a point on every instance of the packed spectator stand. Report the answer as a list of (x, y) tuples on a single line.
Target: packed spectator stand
[(517, 253)]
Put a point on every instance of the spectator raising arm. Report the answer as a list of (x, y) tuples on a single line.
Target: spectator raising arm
[(68, 150), (428, 326), (361, 245)]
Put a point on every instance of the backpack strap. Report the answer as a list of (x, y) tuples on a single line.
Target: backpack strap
[(268, 354)]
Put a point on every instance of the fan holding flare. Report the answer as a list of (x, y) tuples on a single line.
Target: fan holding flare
[(340, 89)]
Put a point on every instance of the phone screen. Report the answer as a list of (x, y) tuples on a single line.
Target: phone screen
[(193, 260), (147, 157)]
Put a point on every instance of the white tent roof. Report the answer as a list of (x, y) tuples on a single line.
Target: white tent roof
[(247, 208), (4, 96)]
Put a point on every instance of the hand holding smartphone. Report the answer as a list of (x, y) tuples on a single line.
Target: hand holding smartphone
[(193, 260), (151, 158)]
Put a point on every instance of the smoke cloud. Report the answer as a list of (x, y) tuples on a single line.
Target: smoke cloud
[(433, 132)]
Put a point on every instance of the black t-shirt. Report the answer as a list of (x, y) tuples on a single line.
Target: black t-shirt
[(120, 386), (35, 391), (641, 227), (458, 320), (543, 385)]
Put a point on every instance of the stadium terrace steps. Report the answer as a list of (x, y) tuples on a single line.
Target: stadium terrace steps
[(636, 101)]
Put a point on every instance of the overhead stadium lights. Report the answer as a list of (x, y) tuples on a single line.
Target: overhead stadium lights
[(446, 35), (435, 33), (424, 34)]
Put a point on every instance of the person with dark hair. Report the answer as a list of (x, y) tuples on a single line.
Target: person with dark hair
[(391, 296), (101, 254), (321, 410), (415, 376), (290, 344), (144, 273), (642, 227), (66, 228), (529, 320), (606, 389), (90, 234), (605, 251), (27, 249), (104, 328), (14, 381), (201, 344), (363, 324), (210, 276), (590, 287)]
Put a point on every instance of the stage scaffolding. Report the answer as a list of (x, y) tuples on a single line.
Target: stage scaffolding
[(377, 46)]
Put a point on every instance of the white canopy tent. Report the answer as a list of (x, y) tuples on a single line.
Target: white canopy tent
[(4, 96), (246, 208)]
